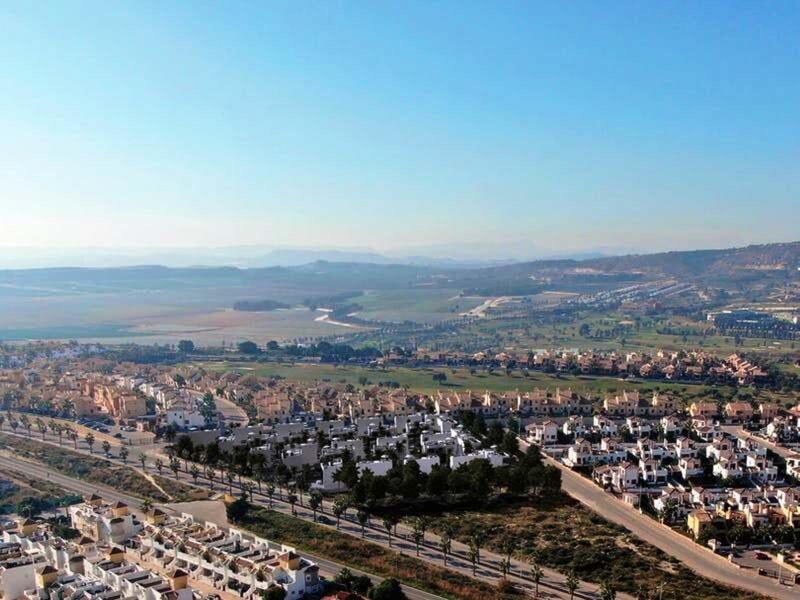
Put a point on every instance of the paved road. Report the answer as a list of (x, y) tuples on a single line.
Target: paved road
[(68, 483), (231, 412), (552, 584), (694, 556), (327, 567), (738, 431)]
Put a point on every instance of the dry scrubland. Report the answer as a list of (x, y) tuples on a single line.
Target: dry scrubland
[(562, 534), (30, 491), (95, 469)]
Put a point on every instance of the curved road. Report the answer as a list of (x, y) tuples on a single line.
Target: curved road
[(696, 557)]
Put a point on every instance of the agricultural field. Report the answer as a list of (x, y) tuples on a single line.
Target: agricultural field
[(230, 327), (421, 305), (113, 322)]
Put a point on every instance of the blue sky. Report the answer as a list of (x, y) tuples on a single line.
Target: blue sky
[(563, 125)]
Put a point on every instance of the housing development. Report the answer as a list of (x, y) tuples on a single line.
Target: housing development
[(706, 478), (400, 300), (153, 556)]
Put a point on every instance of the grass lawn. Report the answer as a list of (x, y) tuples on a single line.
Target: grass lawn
[(562, 534), (366, 556), (522, 335), (421, 380)]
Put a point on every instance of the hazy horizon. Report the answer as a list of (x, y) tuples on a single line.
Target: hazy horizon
[(250, 256)]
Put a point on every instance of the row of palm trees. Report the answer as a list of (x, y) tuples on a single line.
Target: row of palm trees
[(230, 471), (232, 467), (59, 429)]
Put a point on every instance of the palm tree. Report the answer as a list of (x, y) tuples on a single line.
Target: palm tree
[(477, 540), (315, 502), (194, 471), (123, 454), (159, 465), (90, 442), (302, 485), (174, 466), (73, 435), (509, 545), (572, 583), (230, 477), (363, 519), (270, 493), (210, 475), (293, 500), (536, 575), (147, 505), (445, 543), (339, 508), (418, 532), (106, 448), (41, 426), (2, 420), (607, 592), (14, 424), (505, 567), (258, 477), (26, 423), (247, 490), (423, 523), (58, 429), (472, 555), (143, 460), (388, 524)]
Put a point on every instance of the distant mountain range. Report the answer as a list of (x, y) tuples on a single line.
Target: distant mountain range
[(780, 257), (258, 257)]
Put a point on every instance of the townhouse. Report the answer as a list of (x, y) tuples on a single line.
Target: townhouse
[(226, 558)]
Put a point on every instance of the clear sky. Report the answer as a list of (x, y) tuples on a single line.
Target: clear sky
[(570, 125)]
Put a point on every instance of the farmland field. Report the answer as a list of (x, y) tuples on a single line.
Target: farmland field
[(422, 305)]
